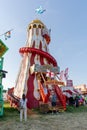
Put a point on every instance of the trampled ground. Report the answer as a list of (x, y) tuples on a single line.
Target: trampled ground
[(36, 121)]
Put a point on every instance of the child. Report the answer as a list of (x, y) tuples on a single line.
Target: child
[(23, 108), (53, 101)]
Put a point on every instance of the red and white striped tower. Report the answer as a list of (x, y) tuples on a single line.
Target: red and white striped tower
[(36, 51)]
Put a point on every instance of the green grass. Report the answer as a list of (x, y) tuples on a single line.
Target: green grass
[(9, 112), (12, 113), (74, 109)]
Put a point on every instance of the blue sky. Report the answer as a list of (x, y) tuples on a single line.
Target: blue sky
[(68, 22)]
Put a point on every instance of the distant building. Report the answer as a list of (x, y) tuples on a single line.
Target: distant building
[(82, 88)]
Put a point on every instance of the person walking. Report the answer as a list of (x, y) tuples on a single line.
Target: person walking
[(77, 101), (23, 108)]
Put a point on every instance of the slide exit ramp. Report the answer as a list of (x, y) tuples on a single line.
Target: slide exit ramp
[(60, 96)]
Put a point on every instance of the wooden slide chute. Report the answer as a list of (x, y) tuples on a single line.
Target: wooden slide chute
[(60, 95), (42, 93)]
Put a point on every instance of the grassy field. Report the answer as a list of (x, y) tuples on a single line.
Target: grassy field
[(72, 119), (9, 112)]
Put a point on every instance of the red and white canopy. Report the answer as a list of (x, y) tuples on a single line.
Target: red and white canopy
[(68, 91)]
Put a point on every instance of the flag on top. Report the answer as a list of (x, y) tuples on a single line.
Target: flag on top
[(40, 10)]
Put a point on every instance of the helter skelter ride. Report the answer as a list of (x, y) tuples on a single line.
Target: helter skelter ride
[(38, 74)]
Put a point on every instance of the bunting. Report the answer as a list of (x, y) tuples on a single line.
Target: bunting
[(7, 34)]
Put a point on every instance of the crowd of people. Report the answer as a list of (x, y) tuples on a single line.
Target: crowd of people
[(77, 100)]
